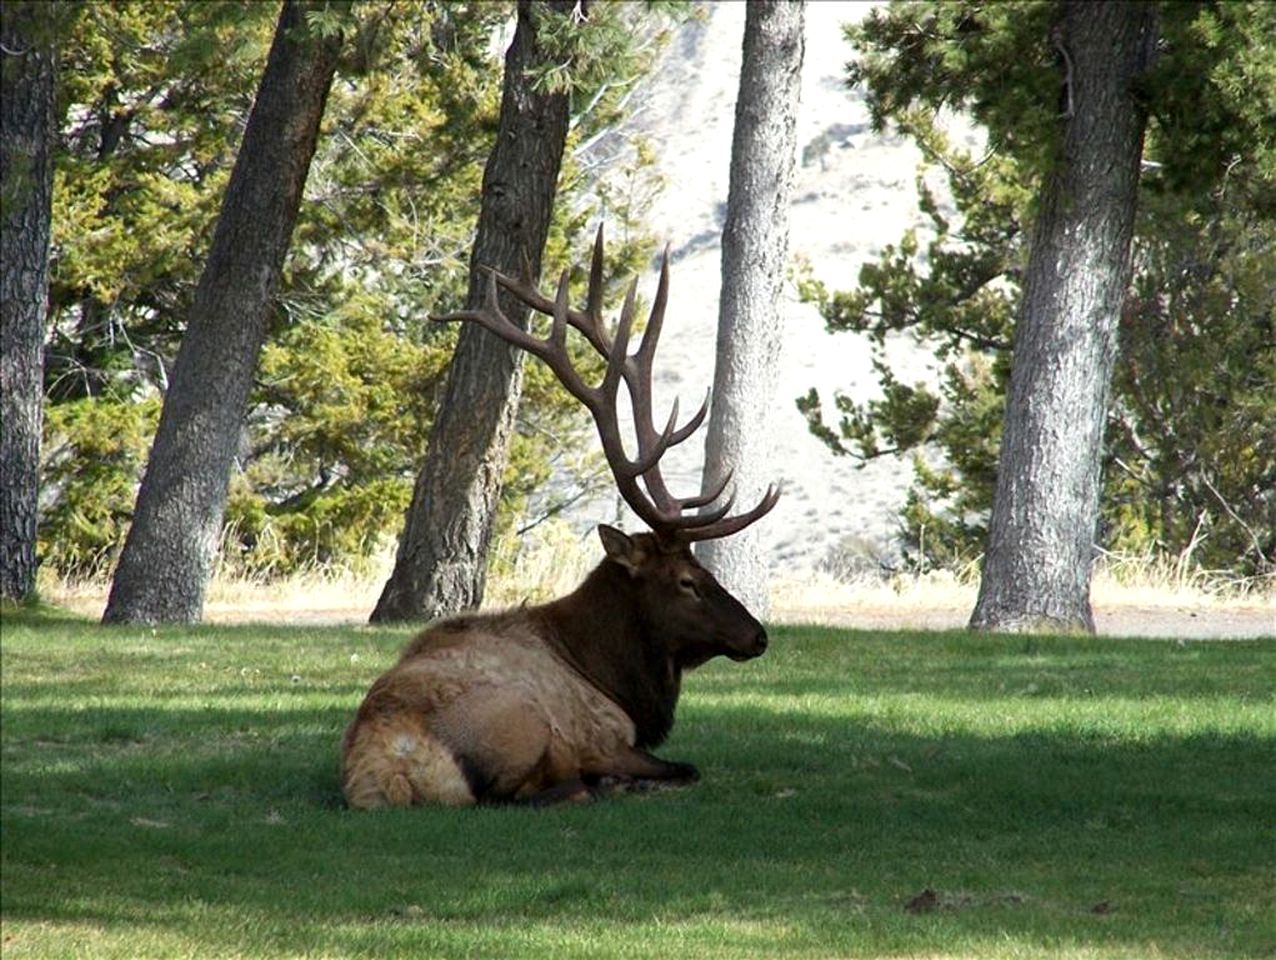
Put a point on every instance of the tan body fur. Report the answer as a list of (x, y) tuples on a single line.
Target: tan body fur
[(501, 699)]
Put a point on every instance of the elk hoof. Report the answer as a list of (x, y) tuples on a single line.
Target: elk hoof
[(684, 773)]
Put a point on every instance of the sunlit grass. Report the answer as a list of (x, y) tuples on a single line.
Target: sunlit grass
[(173, 793)]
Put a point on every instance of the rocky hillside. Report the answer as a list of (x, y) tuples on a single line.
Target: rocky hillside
[(853, 193)]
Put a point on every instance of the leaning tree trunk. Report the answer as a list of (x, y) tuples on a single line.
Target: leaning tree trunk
[(171, 545), (755, 244), (440, 566), (26, 192), (1046, 505)]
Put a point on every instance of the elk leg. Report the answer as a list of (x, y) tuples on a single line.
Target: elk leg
[(620, 773), (574, 790), (635, 765)]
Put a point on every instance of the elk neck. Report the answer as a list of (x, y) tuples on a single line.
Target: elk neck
[(599, 630)]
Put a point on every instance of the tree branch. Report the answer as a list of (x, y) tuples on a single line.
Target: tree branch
[(1227, 507)]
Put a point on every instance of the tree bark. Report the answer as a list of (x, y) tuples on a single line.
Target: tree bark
[(26, 196), (755, 244), (168, 555), (440, 566), (1045, 509)]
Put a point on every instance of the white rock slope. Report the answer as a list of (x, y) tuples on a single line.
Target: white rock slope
[(853, 193)]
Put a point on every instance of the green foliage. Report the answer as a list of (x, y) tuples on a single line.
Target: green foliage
[(156, 95), (991, 59), (597, 50), (344, 407), (1212, 102), (1191, 455), (92, 451), (173, 793), (1192, 445)]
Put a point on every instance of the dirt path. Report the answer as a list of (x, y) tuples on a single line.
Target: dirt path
[(1185, 623)]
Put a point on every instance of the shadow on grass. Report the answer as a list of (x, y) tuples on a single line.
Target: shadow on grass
[(812, 830), (813, 826)]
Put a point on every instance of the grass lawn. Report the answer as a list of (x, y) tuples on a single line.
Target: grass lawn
[(173, 793)]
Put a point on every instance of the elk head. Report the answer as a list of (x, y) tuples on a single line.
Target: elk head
[(681, 601), (698, 616)]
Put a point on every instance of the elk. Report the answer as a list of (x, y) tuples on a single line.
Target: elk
[(563, 701)]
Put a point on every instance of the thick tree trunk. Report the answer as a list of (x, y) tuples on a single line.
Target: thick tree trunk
[(169, 552), (755, 245), (1045, 508), (440, 566), (26, 191)]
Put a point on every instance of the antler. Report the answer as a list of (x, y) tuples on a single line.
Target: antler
[(657, 507)]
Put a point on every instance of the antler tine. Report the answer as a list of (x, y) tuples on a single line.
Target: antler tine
[(640, 396), (590, 327), (651, 447), (683, 521), (490, 316), (715, 528), (617, 359), (558, 329), (692, 503), (692, 425), (656, 319), (553, 349), (697, 520), (594, 307)]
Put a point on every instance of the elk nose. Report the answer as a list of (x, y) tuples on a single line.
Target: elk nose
[(759, 642)]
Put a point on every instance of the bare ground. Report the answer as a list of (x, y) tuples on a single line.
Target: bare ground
[(1184, 622), (938, 602)]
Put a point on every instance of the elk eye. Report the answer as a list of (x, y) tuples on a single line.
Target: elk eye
[(688, 585)]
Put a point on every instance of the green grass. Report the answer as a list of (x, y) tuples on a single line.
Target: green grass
[(173, 793)]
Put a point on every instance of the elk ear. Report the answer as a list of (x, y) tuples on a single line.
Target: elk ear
[(620, 547)]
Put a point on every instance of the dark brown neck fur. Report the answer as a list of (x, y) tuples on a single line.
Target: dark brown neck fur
[(598, 629)]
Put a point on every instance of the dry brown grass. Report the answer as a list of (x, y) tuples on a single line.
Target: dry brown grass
[(1131, 596), (1124, 605)]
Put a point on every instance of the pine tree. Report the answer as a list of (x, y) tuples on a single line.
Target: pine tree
[(1046, 506), (352, 372), (1190, 462), (561, 51), (167, 558), (441, 562)]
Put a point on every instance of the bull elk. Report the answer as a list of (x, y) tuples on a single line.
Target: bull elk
[(564, 700)]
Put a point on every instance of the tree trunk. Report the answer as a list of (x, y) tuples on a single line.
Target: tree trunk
[(1045, 509), (168, 555), (440, 566), (755, 244), (26, 193)]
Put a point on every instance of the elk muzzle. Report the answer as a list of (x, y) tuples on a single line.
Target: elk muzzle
[(752, 647)]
